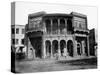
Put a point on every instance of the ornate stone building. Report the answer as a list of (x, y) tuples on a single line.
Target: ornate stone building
[(57, 35)]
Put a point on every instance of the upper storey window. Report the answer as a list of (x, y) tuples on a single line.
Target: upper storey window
[(17, 30), (23, 31), (55, 26), (13, 41), (16, 41), (80, 23), (35, 23), (22, 41), (62, 26), (69, 25), (48, 26), (13, 31)]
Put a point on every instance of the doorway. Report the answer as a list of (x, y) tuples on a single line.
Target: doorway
[(70, 47), (36, 43)]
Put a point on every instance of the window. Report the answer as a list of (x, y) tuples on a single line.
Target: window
[(13, 41), (76, 25), (55, 26), (62, 21), (80, 25), (17, 31), (48, 26), (62, 26), (22, 41), (84, 26), (13, 31), (16, 41), (69, 25), (23, 31)]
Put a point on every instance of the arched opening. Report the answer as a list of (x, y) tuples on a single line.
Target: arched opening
[(55, 26), (63, 47), (55, 47), (70, 47), (62, 26), (69, 25), (36, 43), (48, 26), (78, 48), (48, 48)]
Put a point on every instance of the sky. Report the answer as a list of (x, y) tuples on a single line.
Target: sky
[(22, 9)]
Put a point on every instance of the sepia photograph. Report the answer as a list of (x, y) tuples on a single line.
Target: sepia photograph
[(53, 37)]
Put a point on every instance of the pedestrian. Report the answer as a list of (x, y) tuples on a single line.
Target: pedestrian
[(58, 54), (65, 51)]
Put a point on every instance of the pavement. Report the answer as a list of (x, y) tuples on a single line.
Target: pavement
[(44, 65)]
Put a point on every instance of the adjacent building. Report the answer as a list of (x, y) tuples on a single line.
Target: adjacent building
[(57, 35), (17, 37), (92, 43)]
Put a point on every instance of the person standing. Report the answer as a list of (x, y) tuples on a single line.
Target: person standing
[(65, 51)]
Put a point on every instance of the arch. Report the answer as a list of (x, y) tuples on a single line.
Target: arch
[(78, 48), (54, 47), (55, 26), (48, 26), (48, 47), (62, 26), (62, 46), (36, 43), (70, 47)]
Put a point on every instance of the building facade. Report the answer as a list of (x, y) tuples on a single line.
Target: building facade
[(17, 37), (57, 35), (92, 43)]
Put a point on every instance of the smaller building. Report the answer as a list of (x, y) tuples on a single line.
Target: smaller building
[(92, 42), (17, 37)]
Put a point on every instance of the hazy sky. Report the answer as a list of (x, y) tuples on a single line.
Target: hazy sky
[(24, 8)]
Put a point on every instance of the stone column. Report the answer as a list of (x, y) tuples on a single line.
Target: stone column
[(66, 50), (29, 50), (66, 25), (34, 55), (59, 26), (28, 47), (51, 55), (51, 26), (83, 47), (75, 48), (44, 28), (59, 52), (27, 41), (43, 49), (88, 45)]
